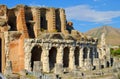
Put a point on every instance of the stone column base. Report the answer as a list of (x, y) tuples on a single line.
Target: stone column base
[(58, 68)]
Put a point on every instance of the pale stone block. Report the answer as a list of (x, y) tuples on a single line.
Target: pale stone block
[(58, 68), (37, 66)]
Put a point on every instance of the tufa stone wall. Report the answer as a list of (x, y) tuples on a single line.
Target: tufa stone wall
[(41, 36)]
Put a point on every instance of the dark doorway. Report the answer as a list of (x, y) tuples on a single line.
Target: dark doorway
[(91, 55), (36, 55), (66, 57), (12, 20), (52, 57), (96, 53), (108, 64), (76, 54), (85, 52), (43, 20), (0, 55)]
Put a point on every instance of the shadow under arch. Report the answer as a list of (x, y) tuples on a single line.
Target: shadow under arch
[(36, 54), (76, 55), (85, 52), (52, 57), (66, 52)]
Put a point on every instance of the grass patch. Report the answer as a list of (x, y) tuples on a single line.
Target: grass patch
[(30, 77)]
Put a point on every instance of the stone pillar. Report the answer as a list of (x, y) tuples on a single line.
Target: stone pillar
[(59, 61), (3, 45), (51, 20), (72, 58), (8, 68), (96, 63), (108, 54), (21, 23), (6, 48), (27, 59), (58, 68), (36, 19), (37, 66), (60, 55), (46, 60), (104, 63), (63, 21), (88, 54), (81, 57), (87, 64)]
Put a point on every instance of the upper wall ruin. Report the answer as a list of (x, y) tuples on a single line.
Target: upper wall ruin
[(34, 20)]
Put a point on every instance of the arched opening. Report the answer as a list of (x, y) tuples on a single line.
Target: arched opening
[(76, 55), (36, 55), (43, 20), (66, 57), (30, 29), (91, 55), (96, 53), (102, 66), (85, 52), (58, 21), (108, 64), (111, 61), (29, 23), (12, 20), (52, 57), (0, 55)]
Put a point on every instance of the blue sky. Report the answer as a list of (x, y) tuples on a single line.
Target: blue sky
[(85, 14)]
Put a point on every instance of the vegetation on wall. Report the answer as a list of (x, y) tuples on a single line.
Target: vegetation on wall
[(115, 52)]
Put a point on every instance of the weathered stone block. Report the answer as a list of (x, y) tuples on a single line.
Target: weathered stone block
[(87, 64), (37, 66), (23, 72), (8, 69), (58, 68), (96, 63)]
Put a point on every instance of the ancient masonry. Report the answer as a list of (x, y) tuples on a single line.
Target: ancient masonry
[(41, 36)]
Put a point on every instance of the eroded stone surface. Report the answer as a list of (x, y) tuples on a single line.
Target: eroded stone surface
[(31, 34)]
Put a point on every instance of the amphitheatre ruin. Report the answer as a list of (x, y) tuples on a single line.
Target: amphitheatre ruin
[(41, 39)]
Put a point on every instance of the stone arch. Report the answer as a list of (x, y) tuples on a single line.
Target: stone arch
[(52, 57), (66, 53), (0, 55), (76, 55), (85, 53), (35, 54)]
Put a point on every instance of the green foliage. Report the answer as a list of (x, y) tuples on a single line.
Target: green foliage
[(115, 52)]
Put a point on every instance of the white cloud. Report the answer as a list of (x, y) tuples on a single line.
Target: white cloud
[(86, 13)]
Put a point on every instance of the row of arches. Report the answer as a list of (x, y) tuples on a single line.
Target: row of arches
[(37, 56)]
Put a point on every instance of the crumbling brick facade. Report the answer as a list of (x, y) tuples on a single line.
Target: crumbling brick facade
[(31, 34)]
